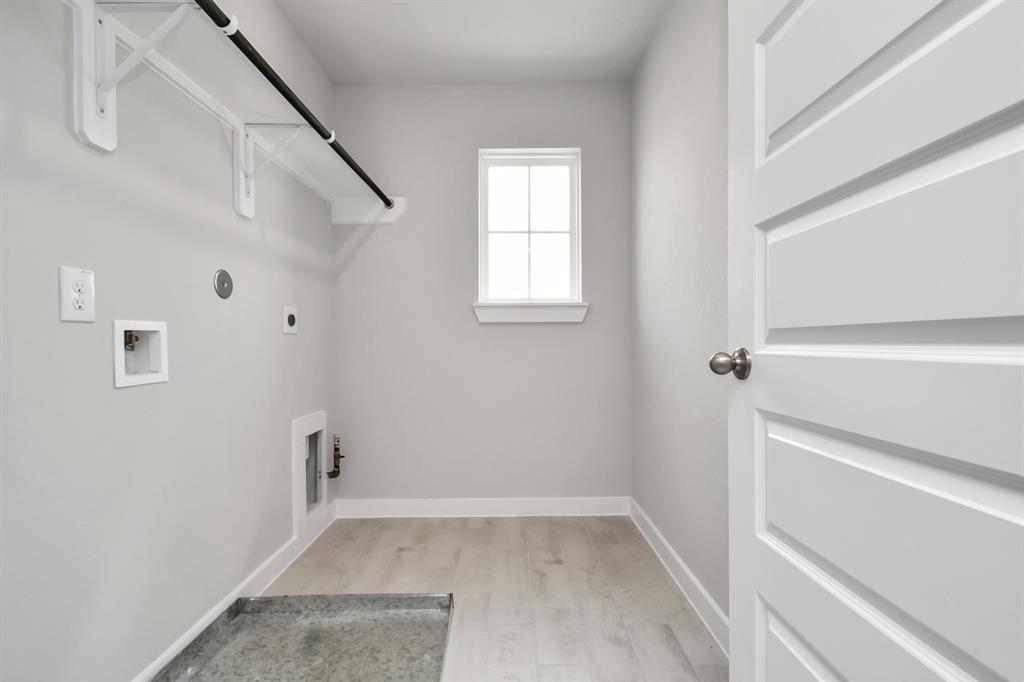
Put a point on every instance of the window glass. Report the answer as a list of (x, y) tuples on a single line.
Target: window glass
[(549, 266), (508, 205), (549, 198), (508, 266)]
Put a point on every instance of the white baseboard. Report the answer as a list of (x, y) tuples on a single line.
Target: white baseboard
[(254, 584), (486, 506), (707, 608), (316, 523)]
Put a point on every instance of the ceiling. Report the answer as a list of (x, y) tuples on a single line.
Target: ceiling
[(475, 41)]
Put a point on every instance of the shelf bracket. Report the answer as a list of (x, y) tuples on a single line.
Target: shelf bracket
[(97, 72), (245, 162), (250, 168), (111, 79)]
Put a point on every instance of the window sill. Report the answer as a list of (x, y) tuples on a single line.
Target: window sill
[(530, 313)]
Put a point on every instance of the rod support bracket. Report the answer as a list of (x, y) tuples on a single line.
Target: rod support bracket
[(222, 21), (246, 141), (96, 70), (244, 184)]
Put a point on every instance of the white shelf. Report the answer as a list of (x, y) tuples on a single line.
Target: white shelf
[(230, 89)]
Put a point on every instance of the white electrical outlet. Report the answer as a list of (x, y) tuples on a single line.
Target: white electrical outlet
[(77, 295)]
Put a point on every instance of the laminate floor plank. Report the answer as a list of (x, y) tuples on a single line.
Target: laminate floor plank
[(545, 599)]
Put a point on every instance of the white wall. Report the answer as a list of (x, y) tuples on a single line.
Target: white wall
[(128, 514), (430, 403), (680, 458)]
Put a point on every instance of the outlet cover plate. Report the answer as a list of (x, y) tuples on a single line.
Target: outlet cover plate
[(77, 295)]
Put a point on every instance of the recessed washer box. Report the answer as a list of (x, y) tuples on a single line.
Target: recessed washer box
[(140, 352)]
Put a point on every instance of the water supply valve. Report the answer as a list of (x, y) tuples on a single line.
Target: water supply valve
[(336, 471)]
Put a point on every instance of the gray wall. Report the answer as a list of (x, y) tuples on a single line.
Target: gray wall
[(431, 403), (127, 514), (680, 462)]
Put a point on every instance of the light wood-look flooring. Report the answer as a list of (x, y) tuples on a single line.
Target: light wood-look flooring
[(536, 599)]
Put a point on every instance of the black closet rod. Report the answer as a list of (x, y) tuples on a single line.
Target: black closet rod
[(224, 23)]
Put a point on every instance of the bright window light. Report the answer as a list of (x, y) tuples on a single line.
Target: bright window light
[(529, 225)]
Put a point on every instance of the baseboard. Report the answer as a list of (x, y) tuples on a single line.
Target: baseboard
[(268, 572), (254, 584), (485, 506), (707, 608)]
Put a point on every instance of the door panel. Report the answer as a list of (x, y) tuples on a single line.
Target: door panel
[(788, 658), (877, 274), (940, 404), (898, 109), (798, 71), (887, 529), (835, 273), (845, 633)]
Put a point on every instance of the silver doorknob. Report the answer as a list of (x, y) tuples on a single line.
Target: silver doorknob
[(738, 363)]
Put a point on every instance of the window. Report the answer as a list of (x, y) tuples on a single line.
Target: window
[(530, 236)]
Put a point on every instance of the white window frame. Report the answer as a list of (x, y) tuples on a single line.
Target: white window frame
[(571, 309)]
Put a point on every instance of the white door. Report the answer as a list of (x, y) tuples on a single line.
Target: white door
[(877, 275)]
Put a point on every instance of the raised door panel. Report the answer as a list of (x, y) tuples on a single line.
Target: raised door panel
[(956, 76), (839, 629), (948, 249), (789, 658), (957, 406), (883, 523), (823, 42)]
